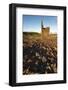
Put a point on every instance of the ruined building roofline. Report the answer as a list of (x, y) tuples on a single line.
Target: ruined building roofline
[(46, 28), (42, 26)]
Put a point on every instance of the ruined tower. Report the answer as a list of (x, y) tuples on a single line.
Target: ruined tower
[(41, 24), (45, 30)]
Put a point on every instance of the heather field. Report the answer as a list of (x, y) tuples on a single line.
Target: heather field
[(39, 54)]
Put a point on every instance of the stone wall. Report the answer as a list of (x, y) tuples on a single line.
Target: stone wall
[(45, 32)]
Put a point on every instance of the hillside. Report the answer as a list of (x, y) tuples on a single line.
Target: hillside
[(39, 54)]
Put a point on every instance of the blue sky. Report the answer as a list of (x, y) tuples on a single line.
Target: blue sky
[(32, 23)]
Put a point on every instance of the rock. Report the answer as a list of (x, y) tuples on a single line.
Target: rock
[(55, 69), (29, 61), (37, 54), (44, 59)]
